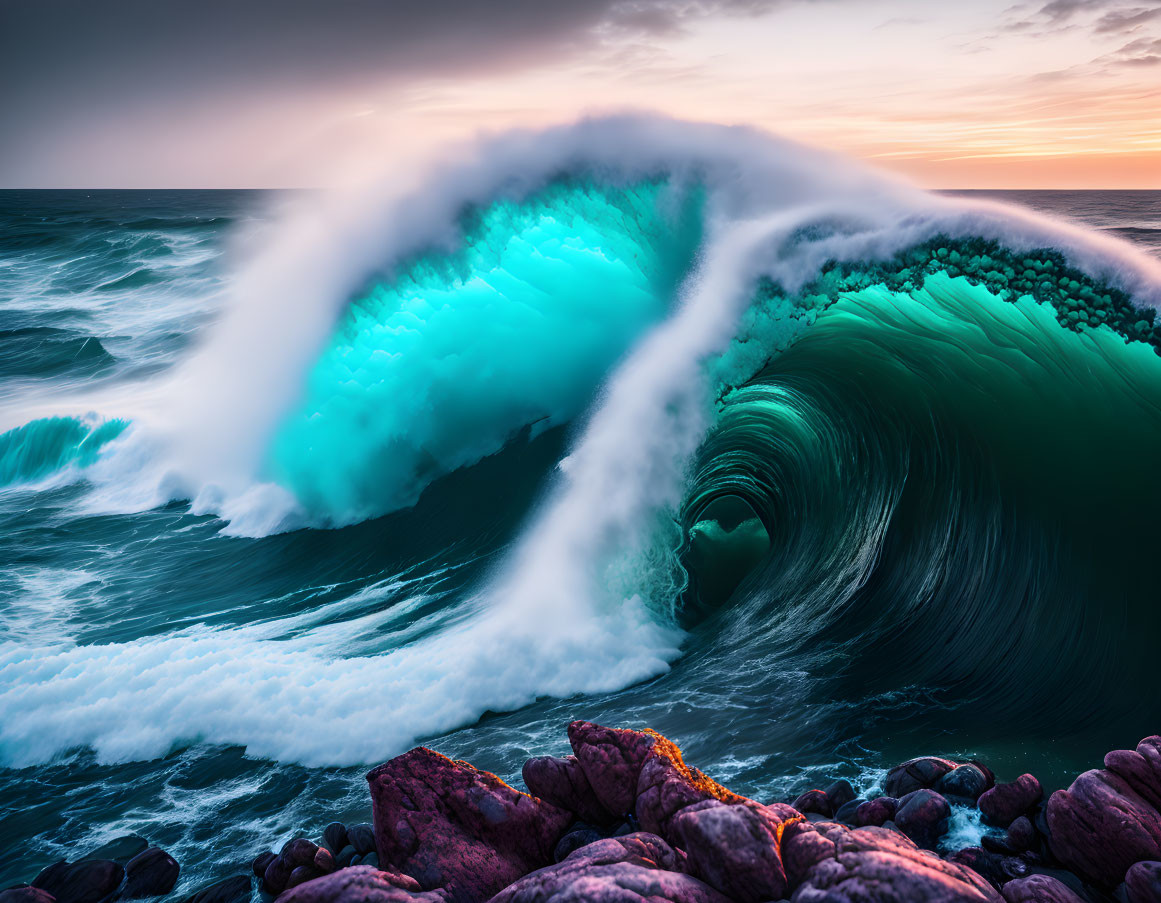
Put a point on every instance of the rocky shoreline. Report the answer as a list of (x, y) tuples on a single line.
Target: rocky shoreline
[(625, 820)]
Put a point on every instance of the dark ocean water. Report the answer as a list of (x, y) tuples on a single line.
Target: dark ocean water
[(950, 502)]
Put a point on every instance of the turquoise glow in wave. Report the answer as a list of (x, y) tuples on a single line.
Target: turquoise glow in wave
[(42, 447), (442, 365)]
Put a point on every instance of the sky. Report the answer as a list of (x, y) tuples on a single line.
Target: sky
[(287, 93)]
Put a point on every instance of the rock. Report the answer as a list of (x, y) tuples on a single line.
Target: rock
[(735, 849), (874, 864), (966, 782), (923, 816), (1143, 882), (335, 836), (839, 793), (121, 850), (361, 884), (262, 863), (562, 782), (371, 859), (876, 812), (301, 875), (985, 863), (803, 846), (846, 812), (916, 774), (579, 835), (299, 852), (1004, 803), (276, 875), (636, 868), (611, 760), (87, 881), (667, 785), (1039, 889), (1100, 826), (26, 894), (324, 861), (346, 854), (150, 874), (450, 825), (1140, 769), (813, 801), (228, 890), (1021, 834), (362, 838)]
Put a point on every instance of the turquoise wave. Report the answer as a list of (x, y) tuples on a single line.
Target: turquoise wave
[(43, 447)]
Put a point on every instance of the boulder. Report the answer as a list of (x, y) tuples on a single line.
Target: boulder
[(735, 849), (635, 868), (847, 811), (813, 801), (150, 874), (876, 812), (839, 793), (611, 759), (966, 782), (923, 816), (1140, 769), (1143, 882), (228, 890), (26, 894), (449, 825), (667, 785), (1021, 834), (916, 774), (562, 782), (299, 852), (362, 838), (1004, 803), (262, 862), (335, 836), (361, 884), (875, 864), (580, 835), (87, 881), (1100, 826), (1039, 889)]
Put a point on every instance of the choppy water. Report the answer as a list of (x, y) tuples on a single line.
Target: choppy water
[(813, 519)]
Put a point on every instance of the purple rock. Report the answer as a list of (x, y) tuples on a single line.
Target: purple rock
[(1143, 882), (88, 881), (876, 812), (1004, 803), (299, 851), (813, 801), (1100, 826), (1140, 768), (276, 875), (965, 781), (916, 774), (636, 868), (362, 884), (262, 863), (362, 838), (1021, 834), (667, 785), (576, 838), (335, 836), (922, 815), (26, 894), (562, 782), (839, 793), (150, 874), (1039, 889), (874, 864), (301, 875), (449, 825), (611, 759), (228, 890), (735, 848)]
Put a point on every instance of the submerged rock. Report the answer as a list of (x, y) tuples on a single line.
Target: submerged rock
[(1004, 803), (87, 881), (120, 849), (449, 825), (636, 868)]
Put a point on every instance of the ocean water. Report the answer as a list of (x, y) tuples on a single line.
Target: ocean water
[(632, 421)]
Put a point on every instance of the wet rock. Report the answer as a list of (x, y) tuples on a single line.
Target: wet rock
[(301, 875), (262, 862), (26, 894), (916, 774), (839, 793), (87, 881), (362, 838), (150, 874), (813, 801), (299, 852), (923, 816), (667, 785), (846, 812), (873, 864), (1100, 826), (1143, 882), (121, 850), (803, 846), (324, 861), (335, 836), (636, 868), (450, 825), (735, 849), (1004, 803), (346, 854), (578, 836), (1021, 834), (611, 759), (987, 864), (965, 782), (876, 812), (228, 890), (276, 876), (361, 884), (371, 859), (562, 782), (1039, 889)]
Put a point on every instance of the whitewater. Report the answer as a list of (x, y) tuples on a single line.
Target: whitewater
[(637, 420)]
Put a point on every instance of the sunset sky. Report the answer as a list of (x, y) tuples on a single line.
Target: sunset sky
[(240, 93)]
